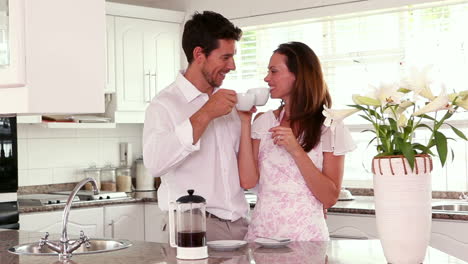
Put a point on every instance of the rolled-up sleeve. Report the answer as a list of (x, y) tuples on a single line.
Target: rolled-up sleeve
[(165, 144)]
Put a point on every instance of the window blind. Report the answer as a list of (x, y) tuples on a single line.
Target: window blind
[(365, 48)]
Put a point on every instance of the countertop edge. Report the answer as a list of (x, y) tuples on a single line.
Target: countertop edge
[(362, 205), (84, 204)]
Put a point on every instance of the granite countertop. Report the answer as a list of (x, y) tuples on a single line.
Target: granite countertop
[(134, 197), (335, 251), (364, 205)]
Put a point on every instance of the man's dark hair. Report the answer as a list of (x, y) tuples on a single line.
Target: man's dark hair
[(204, 30)]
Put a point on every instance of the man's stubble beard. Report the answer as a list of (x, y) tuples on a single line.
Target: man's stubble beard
[(208, 79)]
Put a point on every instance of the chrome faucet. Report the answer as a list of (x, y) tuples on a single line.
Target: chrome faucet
[(64, 247)]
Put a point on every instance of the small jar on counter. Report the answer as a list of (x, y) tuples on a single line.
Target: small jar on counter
[(108, 181), (124, 179), (95, 173)]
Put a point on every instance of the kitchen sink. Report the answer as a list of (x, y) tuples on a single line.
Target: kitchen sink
[(455, 207), (96, 246)]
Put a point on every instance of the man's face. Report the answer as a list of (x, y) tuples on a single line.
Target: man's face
[(219, 63)]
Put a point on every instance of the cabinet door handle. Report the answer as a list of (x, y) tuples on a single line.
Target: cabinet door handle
[(111, 224), (349, 237), (155, 83), (148, 88)]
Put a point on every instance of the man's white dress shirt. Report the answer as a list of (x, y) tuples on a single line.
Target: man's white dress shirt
[(209, 167)]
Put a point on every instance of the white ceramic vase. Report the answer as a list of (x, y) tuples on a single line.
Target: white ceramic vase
[(403, 207)]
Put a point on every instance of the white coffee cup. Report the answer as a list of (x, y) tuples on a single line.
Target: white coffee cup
[(245, 101), (261, 95)]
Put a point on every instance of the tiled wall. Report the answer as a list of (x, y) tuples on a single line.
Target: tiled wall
[(50, 155), (452, 177)]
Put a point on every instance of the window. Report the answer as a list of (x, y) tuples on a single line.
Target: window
[(364, 48)]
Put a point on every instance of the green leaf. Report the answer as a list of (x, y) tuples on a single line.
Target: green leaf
[(370, 142), (441, 145), (366, 118), (374, 113), (408, 152), (424, 125), (421, 147), (358, 107), (427, 117), (458, 132), (368, 130), (393, 124)]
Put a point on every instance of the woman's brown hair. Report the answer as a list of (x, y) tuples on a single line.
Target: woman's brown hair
[(308, 95)]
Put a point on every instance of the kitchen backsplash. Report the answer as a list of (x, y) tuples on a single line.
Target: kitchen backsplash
[(50, 156)]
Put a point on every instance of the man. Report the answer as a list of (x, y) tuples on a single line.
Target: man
[(192, 130)]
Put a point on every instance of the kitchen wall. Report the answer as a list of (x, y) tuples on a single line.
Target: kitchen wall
[(48, 156)]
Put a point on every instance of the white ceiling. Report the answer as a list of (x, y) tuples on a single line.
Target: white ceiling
[(178, 5)]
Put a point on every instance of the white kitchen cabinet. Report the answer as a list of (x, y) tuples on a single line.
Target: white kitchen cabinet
[(147, 60), (12, 59), (450, 237), (89, 220), (125, 222), (65, 59), (147, 57), (351, 226), (110, 54), (155, 224)]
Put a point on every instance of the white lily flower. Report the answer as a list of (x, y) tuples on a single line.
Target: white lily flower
[(332, 116), (439, 103), (387, 93), (403, 106), (463, 104), (418, 80), (402, 121), (396, 111), (462, 99)]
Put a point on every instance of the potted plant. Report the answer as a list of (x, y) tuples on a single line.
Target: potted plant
[(402, 168)]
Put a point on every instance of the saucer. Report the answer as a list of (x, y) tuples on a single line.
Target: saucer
[(270, 243), (226, 245)]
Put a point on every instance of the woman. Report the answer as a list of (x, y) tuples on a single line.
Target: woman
[(296, 161)]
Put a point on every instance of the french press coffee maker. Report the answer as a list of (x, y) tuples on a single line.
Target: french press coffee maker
[(190, 225)]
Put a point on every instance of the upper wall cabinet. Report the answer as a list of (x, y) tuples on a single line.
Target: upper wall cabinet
[(12, 69), (147, 58), (110, 54), (64, 44)]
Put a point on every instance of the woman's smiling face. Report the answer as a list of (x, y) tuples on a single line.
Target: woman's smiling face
[(279, 78)]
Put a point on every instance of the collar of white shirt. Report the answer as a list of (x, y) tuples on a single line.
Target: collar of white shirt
[(189, 91)]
